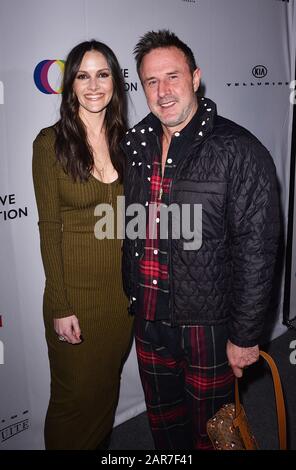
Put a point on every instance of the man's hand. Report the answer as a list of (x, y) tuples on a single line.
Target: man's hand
[(239, 358), (68, 328)]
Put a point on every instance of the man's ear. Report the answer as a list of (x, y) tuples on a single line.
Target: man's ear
[(196, 79)]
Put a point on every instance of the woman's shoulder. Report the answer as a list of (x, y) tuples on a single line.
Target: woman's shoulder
[(44, 148), (46, 137)]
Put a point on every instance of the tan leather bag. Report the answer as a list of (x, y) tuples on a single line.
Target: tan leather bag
[(229, 428)]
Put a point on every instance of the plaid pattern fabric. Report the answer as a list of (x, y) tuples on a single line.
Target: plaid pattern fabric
[(186, 378), (153, 268)]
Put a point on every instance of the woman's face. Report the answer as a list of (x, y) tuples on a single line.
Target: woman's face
[(93, 84)]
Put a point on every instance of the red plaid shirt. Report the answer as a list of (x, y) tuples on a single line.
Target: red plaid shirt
[(154, 277), (154, 266)]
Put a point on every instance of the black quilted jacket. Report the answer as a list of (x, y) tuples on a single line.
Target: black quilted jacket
[(229, 278)]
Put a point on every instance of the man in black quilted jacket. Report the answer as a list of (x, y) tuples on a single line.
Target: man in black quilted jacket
[(199, 274)]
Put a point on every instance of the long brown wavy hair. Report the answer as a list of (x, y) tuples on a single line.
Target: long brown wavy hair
[(71, 146)]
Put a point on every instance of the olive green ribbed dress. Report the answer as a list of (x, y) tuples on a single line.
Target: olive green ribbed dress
[(83, 277)]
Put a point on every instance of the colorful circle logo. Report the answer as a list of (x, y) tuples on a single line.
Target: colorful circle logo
[(41, 76)]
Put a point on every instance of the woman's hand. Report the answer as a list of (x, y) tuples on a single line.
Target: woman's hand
[(68, 328)]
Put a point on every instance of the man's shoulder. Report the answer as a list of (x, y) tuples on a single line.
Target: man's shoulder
[(228, 128), (227, 132), (242, 143)]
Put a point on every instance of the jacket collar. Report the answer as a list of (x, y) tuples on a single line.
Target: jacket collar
[(139, 140)]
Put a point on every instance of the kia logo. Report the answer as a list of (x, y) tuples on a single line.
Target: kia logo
[(259, 71)]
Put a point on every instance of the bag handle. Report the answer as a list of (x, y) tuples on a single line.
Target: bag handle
[(279, 399)]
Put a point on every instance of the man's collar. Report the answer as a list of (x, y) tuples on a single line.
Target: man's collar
[(199, 124)]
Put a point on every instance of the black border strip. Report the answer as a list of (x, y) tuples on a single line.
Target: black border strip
[(289, 248)]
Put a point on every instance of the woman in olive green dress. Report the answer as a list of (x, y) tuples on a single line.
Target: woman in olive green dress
[(78, 164)]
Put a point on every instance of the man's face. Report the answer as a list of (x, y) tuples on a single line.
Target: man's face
[(170, 87)]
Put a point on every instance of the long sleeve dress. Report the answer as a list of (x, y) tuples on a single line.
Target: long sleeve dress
[(83, 277)]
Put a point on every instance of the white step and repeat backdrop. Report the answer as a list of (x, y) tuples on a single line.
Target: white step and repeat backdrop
[(246, 51)]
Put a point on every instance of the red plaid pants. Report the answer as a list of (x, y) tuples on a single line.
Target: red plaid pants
[(186, 378)]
